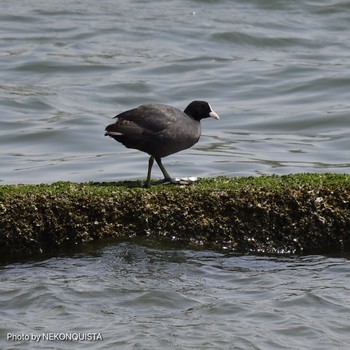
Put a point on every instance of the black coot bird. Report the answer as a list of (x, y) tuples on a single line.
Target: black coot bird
[(160, 130)]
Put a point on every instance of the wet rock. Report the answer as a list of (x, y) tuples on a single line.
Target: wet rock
[(294, 214)]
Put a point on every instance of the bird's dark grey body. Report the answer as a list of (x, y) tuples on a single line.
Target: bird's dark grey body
[(160, 130), (156, 129)]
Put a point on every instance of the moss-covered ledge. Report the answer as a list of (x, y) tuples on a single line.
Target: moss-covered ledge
[(302, 213)]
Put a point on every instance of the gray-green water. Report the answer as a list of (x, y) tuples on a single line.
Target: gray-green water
[(277, 72), (142, 298)]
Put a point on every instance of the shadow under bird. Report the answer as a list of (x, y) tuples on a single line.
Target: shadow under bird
[(160, 130)]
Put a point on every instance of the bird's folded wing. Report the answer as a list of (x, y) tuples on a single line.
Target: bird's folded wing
[(146, 119)]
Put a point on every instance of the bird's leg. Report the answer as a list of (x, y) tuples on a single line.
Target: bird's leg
[(150, 164), (161, 167)]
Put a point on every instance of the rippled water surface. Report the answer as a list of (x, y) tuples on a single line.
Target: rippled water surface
[(146, 298), (277, 72)]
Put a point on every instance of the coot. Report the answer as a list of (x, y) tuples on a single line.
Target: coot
[(160, 130)]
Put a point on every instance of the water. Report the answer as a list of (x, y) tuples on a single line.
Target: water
[(154, 298), (277, 72)]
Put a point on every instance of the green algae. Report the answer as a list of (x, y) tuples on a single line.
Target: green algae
[(299, 213)]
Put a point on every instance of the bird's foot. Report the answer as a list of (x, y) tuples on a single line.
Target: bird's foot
[(184, 181), (181, 180)]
